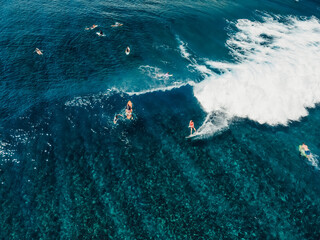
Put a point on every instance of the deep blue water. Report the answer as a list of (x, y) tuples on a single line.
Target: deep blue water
[(68, 172)]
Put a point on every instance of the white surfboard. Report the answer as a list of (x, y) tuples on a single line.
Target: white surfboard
[(100, 35), (127, 52), (190, 136)]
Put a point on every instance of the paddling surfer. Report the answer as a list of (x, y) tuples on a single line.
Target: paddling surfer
[(127, 50), (38, 51), (129, 110)]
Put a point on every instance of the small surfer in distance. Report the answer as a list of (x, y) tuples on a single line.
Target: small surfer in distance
[(38, 51), (117, 24), (116, 118), (168, 75), (191, 126), (92, 27), (127, 50), (129, 110), (306, 150), (100, 33)]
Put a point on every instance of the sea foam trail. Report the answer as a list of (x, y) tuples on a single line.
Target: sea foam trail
[(314, 161), (276, 75), (183, 50), (162, 89)]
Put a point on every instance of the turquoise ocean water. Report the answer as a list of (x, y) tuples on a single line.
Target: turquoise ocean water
[(246, 72)]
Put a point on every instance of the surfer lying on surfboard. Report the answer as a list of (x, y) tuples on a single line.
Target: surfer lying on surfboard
[(127, 50), (38, 51), (101, 34), (304, 150), (129, 110), (191, 126), (117, 24), (92, 27)]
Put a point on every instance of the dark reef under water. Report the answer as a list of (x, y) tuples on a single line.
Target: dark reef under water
[(68, 172), (84, 177)]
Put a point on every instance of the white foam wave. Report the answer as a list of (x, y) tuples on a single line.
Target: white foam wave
[(6, 153), (313, 160), (78, 101), (194, 66), (203, 70), (277, 74), (162, 89), (183, 51), (213, 124), (154, 72), (221, 65)]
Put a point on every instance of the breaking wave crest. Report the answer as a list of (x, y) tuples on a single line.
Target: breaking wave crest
[(275, 77)]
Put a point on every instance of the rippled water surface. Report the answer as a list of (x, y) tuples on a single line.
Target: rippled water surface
[(245, 72)]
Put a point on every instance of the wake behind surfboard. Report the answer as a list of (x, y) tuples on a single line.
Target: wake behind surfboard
[(191, 136), (302, 151), (312, 158)]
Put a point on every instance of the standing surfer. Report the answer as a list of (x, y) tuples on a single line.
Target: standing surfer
[(191, 126)]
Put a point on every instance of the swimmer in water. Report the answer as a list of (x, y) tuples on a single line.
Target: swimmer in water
[(117, 25), (129, 110), (116, 118), (38, 51), (191, 126), (168, 75), (127, 50)]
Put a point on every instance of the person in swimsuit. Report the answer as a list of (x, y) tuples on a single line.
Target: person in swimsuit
[(117, 25), (38, 51), (92, 27), (305, 147), (127, 50), (191, 126), (306, 150), (116, 118), (129, 110)]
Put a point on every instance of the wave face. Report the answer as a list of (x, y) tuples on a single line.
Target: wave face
[(67, 171), (276, 74)]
